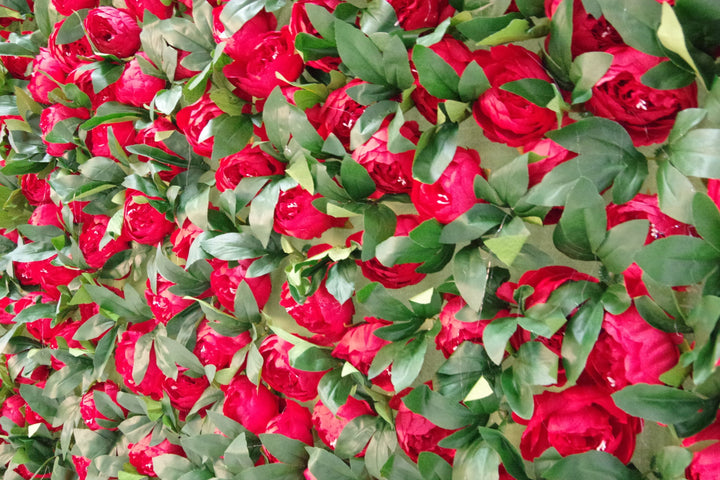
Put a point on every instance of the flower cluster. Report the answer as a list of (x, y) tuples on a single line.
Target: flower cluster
[(359, 239)]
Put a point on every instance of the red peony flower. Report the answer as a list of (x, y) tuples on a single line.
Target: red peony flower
[(706, 461), (416, 14), (544, 282), (296, 216), (93, 418), (278, 373), (53, 114), (453, 193), (330, 426), (321, 313), (163, 303), (251, 161), (142, 222), (71, 54), (90, 238), (68, 7), (152, 136), (47, 72), (577, 420), (184, 392), (191, 121), (35, 189), (183, 237), (152, 383), (98, 138), (416, 434), (135, 87), (506, 117), (646, 113), (113, 31), (141, 454), (211, 348), (251, 405), (224, 282), (359, 347), (300, 23), (338, 114), (453, 332), (293, 422)]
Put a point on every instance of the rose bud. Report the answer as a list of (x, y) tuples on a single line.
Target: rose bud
[(320, 313), (416, 434), (278, 373), (71, 54), (504, 116), (458, 56), (89, 411), (360, 345), (142, 222), (453, 193), (300, 23), (191, 121), (141, 454), (35, 189), (646, 113), (391, 172), (211, 348), (251, 161), (706, 461), (399, 275), (251, 405), (629, 351), (98, 138), (46, 65), (577, 420), (135, 87), (338, 114), (90, 238), (53, 114), (416, 14), (68, 7), (224, 281), (293, 422), (163, 303), (184, 392), (296, 216), (113, 31), (152, 382), (330, 426)]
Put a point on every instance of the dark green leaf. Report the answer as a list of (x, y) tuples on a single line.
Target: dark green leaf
[(496, 335), (395, 61), (581, 228), (440, 410), (380, 222), (435, 74), (408, 363), (433, 467), (359, 53), (586, 70), (473, 82), (653, 314), (667, 76), (276, 471), (476, 461), (706, 219), (580, 337), (678, 260), (621, 244), (675, 192), (659, 403), (511, 180), (233, 246), (355, 179), (670, 462), (326, 466), (379, 302), (470, 273), (534, 90), (511, 459), (536, 364), (72, 28), (482, 27), (472, 224), (435, 150), (636, 22), (696, 154), (334, 389), (591, 465), (287, 450), (231, 134), (340, 281), (561, 33), (355, 436)]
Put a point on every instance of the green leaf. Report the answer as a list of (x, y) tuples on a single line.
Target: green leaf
[(72, 28), (706, 219), (355, 436), (636, 22), (482, 27), (667, 76), (473, 82), (340, 281), (408, 363), (276, 115), (476, 462), (670, 34), (379, 302), (560, 39), (621, 244), (534, 90), (586, 70), (463, 370), (233, 246), (511, 459), (433, 467), (287, 450), (581, 334), (470, 274), (435, 74), (536, 364), (685, 121), (670, 462), (695, 153), (435, 150), (310, 358), (440, 410), (276, 471), (361, 56), (659, 403), (380, 223), (262, 212), (591, 465), (675, 192), (326, 466), (231, 134), (355, 179), (581, 228), (396, 62), (472, 224), (511, 180), (678, 260), (496, 335), (334, 389), (170, 466)]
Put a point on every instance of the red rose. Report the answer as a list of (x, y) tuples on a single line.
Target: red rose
[(45, 274), (544, 282), (16, 66), (35, 189), (89, 411), (293, 422), (191, 121), (152, 136), (184, 392), (554, 155), (706, 462), (68, 7), (330, 426), (251, 161), (152, 383), (141, 454), (397, 276), (577, 420), (159, 8), (321, 313), (90, 238), (183, 237), (416, 14), (113, 31), (255, 68), (278, 373), (338, 114), (300, 23), (71, 54), (136, 88), (163, 303), (53, 114), (630, 351), (47, 214), (142, 222), (251, 405), (46, 65), (211, 348), (646, 113), (359, 347), (453, 332), (81, 465), (47, 333), (296, 216), (416, 434), (458, 56), (98, 139), (453, 193), (224, 282), (83, 79), (589, 34), (506, 117), (391, 172)]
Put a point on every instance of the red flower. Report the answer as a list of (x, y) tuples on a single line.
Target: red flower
[(330, 426), (185, 391), (251, 161), (53, 114), (35, 189), (338, 114), (142, 222), (706, 462), (577, 420), (98, 138), (46, 65), (415, 14), (151, 136), (113, 31), (278, 373), (191, 121), (134, 87), (296, 216), (211, 348), (646, 113), (506, 117), (163, 303), (544, 282), (68, 7), (224, 282), (70, 54), (300, 23), (453, 332), (141, 454), (293, 422), (359, 347), (152, 382), (93, 418), (251, 405), (453, 193), (416, 434), (90, 238), (320, 313)]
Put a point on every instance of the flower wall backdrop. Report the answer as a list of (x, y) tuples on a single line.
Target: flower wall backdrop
[(399, 239)]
